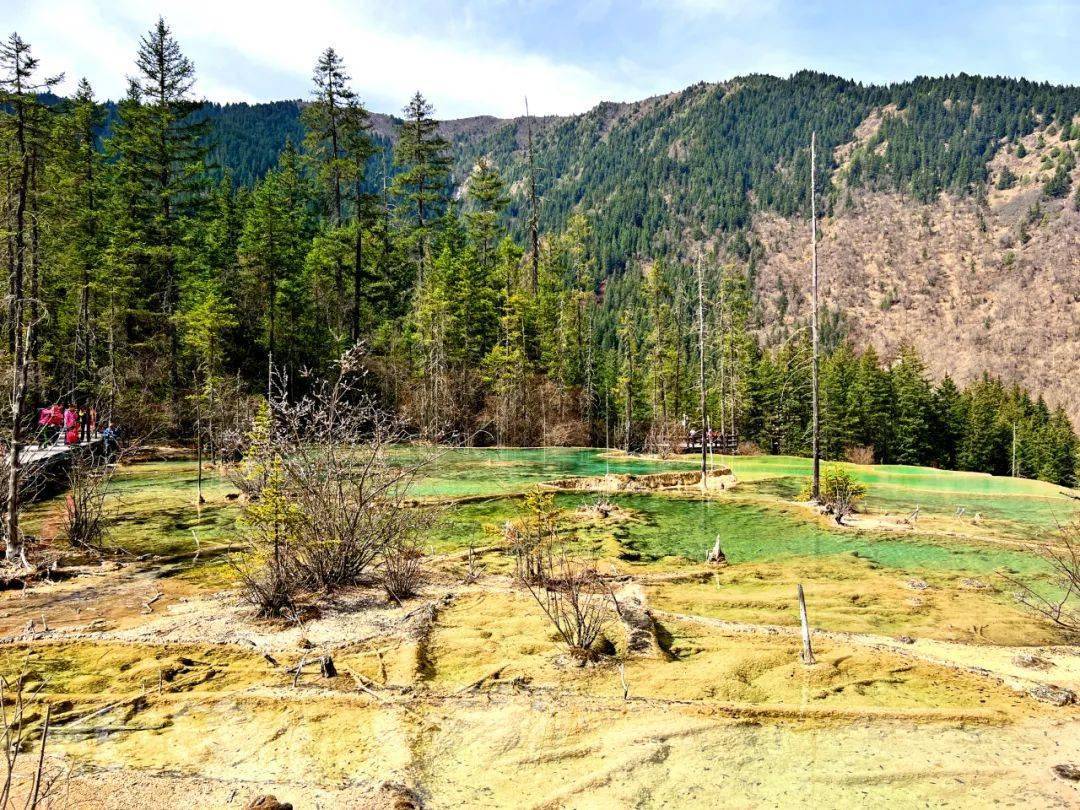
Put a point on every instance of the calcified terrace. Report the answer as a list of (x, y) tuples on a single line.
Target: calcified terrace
[(162, 684)]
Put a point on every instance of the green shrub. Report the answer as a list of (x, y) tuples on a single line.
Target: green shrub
[(840, 492)]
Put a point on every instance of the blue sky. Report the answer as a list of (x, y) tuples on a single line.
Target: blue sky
[(482, 56)]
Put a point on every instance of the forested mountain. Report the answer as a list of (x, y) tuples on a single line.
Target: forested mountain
[(701, 161), (540, 281), (714, 168)]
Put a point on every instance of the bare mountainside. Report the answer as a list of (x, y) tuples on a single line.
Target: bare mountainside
[(955, 278)]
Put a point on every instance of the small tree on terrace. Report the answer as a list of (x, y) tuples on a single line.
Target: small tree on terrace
[(572, 594), (840, 492)]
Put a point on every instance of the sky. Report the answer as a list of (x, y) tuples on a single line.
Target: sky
[(476, 57)]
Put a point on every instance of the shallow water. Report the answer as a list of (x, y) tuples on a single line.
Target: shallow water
[(469, 472), (666, 526), (155, 509), (465, 472)]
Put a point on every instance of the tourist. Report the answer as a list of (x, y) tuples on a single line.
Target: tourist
[(108, 439), (45, 434), (71, 425), (56, 421)]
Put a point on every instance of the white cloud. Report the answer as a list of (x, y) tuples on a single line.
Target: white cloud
[(99, 38), (725, 8)]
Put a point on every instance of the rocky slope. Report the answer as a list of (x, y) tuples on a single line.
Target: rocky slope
[(953, 277)]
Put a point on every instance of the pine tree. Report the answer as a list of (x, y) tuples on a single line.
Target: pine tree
[(22, 123), (1060, 450), (913, 405), (326, 119), (871, 406), (949, 418), (425, 167), (360, 148), (985, 441), (838, 429), (270, 248), (77, 191), (160, 151)]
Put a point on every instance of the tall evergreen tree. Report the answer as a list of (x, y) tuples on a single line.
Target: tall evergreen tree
[(421, 154), (913, 404), (77, 190), (326, 120), (161, 150)]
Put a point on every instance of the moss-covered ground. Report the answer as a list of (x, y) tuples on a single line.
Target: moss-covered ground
[(466, 694)]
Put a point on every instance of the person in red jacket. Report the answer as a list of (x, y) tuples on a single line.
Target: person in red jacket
[(45, 433), (71, 425), (54, 417)]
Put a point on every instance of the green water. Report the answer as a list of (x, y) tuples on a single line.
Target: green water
[(752, 532), (751, 528), (152, 509), (1026, 504), (471, 472), (155, 511), (468, 472), (666, 526)]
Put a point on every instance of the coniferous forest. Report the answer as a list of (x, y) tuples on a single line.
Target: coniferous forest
[(162, 253)]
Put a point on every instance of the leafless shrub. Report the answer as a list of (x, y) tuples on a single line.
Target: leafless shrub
[(86, 520), (325, 502), (1062, 606), (576, 601), (402, 568), (473, 568), (859, 454), (665, 438), (21, 721), (748, 448)]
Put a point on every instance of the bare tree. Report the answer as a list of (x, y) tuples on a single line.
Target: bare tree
[(701, 375), (36, 788), (576, 601), (19, 92), (815, 490), (326, 501), (534, 206), (1061, 606)]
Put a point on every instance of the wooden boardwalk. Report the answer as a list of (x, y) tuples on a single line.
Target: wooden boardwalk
[(33, 454), (45, 469)]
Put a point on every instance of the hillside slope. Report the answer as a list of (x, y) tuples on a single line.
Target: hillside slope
[(952, 277)]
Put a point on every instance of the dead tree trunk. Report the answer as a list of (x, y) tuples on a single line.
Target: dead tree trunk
[(534, 211), (815, 490), (701, 376), (716, 555), (807, 650)]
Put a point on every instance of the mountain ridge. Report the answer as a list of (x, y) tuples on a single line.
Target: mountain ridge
[(721, 170)]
